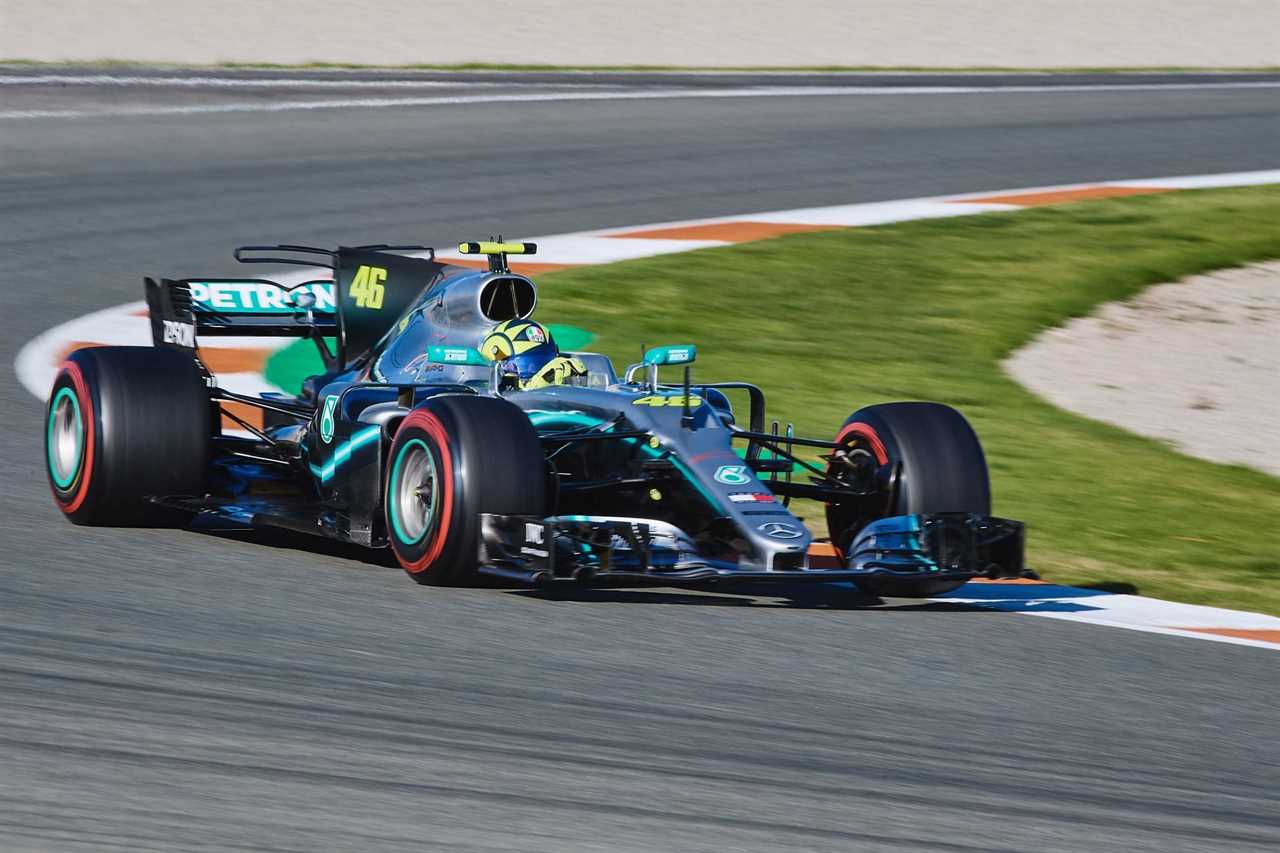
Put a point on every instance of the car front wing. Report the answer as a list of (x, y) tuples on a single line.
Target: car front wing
[(603, 549)]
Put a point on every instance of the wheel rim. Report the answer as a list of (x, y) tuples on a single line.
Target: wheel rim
[(65, 438), (415, 484)]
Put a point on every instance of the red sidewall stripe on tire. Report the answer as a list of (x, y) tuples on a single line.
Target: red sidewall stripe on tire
[(88, 421), (431, 425), (867, 432)]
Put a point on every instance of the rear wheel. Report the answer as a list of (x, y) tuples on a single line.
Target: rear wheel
[(453, 458), (125, 424), (924, 457)]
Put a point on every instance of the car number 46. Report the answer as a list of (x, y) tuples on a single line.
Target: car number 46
[(658, 400), (367, 288)]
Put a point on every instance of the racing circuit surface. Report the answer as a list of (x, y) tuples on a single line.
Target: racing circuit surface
[(167, 690)]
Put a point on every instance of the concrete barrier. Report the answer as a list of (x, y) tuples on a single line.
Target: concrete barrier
[(795, 33)]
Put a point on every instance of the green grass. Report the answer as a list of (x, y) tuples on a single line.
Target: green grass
[(814, 69), (832, 321)]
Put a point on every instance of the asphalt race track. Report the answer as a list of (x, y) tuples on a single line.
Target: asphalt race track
[(164, 690)]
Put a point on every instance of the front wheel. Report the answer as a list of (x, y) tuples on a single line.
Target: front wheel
[(925, 458), (453, 458)]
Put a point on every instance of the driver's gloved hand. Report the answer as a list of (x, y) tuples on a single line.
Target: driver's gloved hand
[(558, 371)]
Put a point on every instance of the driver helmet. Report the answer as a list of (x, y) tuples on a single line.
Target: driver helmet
[(522, 346)]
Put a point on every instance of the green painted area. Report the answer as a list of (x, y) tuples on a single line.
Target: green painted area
[(570, 338), (927, 310), (798, 471), (287, 367)]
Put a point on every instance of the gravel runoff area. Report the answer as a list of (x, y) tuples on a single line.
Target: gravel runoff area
[(1195, 363), (704, 33)]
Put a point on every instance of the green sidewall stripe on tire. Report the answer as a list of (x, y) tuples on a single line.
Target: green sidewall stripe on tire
[(64, 483), (393, 499)]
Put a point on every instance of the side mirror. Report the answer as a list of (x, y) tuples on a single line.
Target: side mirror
[(469, 356), (675, 354)]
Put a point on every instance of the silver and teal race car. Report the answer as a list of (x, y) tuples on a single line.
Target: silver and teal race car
[(413, 439)]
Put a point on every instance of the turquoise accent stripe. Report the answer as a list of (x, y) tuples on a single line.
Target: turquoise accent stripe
[(343, 452), (689, 477), (540, 418)]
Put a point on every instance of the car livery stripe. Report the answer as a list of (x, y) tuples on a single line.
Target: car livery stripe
[(343, 452), (545, 418)]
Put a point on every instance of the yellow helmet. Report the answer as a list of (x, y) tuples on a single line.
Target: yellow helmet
[(523, 344)]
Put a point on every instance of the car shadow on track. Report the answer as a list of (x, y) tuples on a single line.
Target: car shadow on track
[(301, 542), (797, 597)]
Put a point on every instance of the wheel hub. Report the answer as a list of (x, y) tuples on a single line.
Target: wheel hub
[(65, 440), (416, 493)]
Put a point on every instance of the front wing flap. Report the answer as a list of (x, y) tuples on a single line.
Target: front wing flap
[(601, 549), (939, 545), (581, 547)]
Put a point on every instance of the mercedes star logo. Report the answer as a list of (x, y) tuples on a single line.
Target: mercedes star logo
[(778, 530)]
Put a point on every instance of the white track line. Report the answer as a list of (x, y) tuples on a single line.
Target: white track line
[(1111, 610), (643, 95), (260, 82)]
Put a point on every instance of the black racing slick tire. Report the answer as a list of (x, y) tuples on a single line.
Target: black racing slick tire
[(453, 458), (125, 424), (929, 460)]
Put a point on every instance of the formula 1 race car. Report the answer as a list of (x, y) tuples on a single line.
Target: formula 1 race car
[(412, 439)]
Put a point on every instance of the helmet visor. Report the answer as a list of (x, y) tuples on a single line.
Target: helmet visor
[(527, 363)]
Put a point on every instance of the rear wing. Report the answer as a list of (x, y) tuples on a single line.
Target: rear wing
[(184, 310), (370, 288), (242, 306)]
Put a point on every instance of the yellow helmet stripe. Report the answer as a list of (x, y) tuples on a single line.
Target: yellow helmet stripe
[(525, 346), (497, 346), (512, 328)]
